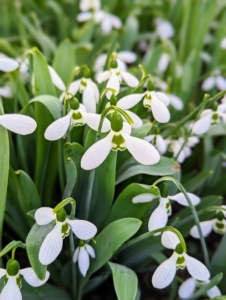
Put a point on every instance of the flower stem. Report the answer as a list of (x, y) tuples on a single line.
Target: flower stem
[(89, 194), (73, 269)]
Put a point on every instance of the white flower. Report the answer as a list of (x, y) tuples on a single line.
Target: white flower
[(106, 20), (209, 117), (114, 77), (218, 224), (86, 5), (189, 286), (158, 141), (141, 150), (165, 273), (164, 28), (156, 101), (81, 255), (53, 242), (215, 80), (206, 56), (175, 101), (8, 64), (18, 123), (176, 146), (159, 216), (223, 43), (75, 117), (6, 91), (13, 283), (163, 62)]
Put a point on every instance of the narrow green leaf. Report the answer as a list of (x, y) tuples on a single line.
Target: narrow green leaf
[(197, 181), (71, 174), (125, 281)]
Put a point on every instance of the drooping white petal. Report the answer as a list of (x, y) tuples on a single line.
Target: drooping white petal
[(165, 273), (223, 43), (129, 79), (95, 90), (137, 120), (158, 219), (161, 144), (144, 198), (11, 290), (84, 16), (58, 128), (169, 239), (103, 76), (206, 227), (163, 62), (74, 86), (208, 83), (197, 269), (100, 62), (159, 110), (93, 121), (18, 123), (221, 83), (2, 272), (44, 215), (223, 211), (180, 198), (127, 128), (83, 261), (141, 150), (149, 138), (8, 64), (213, 292), (114, 84), (31, 278), (90, 250), (192, 141), (89, 100), (75, 255), (164, 29), (115, 21), (176, 102), (106, 25), (187, 288), (51, 246), (57, 81), (97, 153), (130, 101), (83, 229), (127, 56), (202, 125), (163, 98), (5, 91)]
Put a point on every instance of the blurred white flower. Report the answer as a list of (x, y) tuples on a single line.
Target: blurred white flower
[(86, 5), (6, 91), (165, 273), (223, 43), (8, 64), (81, 254), (156, 101), (206, 56), (176, 146), (163, 62), (53, 242), (214, 80), (188, 287), (157, 141), (164, 29), (17, 123), (159, 216)]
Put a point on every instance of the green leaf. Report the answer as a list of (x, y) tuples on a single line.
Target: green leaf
[(197, 181), (129, 34), (123, 206), (131, 167), (19, 88), (71, 174), (223, 297), (214, 281), (50, 102), (4, 167), (27, 192), (34, 241), (64, 61), (125, 281)]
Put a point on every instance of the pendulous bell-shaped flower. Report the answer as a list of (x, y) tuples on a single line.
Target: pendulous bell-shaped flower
[(17, 123), (81, 255), (214, 80)]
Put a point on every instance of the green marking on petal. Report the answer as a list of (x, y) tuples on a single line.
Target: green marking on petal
[(118, 143), (180, 263), (65, 230), (77, 119)]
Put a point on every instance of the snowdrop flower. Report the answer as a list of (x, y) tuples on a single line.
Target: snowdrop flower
[(189, 286), (175, 101), (163, 62), (107, 21), (114, 77), (164, 29), (159, 216), (214, 80), (156, 101), (5, 91), (209, 117), (223, 43), (218, 224), (165, 273), (158, 141), (176, 146), (86, 5), (119, 139), (206, 56), (8, 64), (53, 242), (13, 282), (81, 254), (17, 123), (77, 116)]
